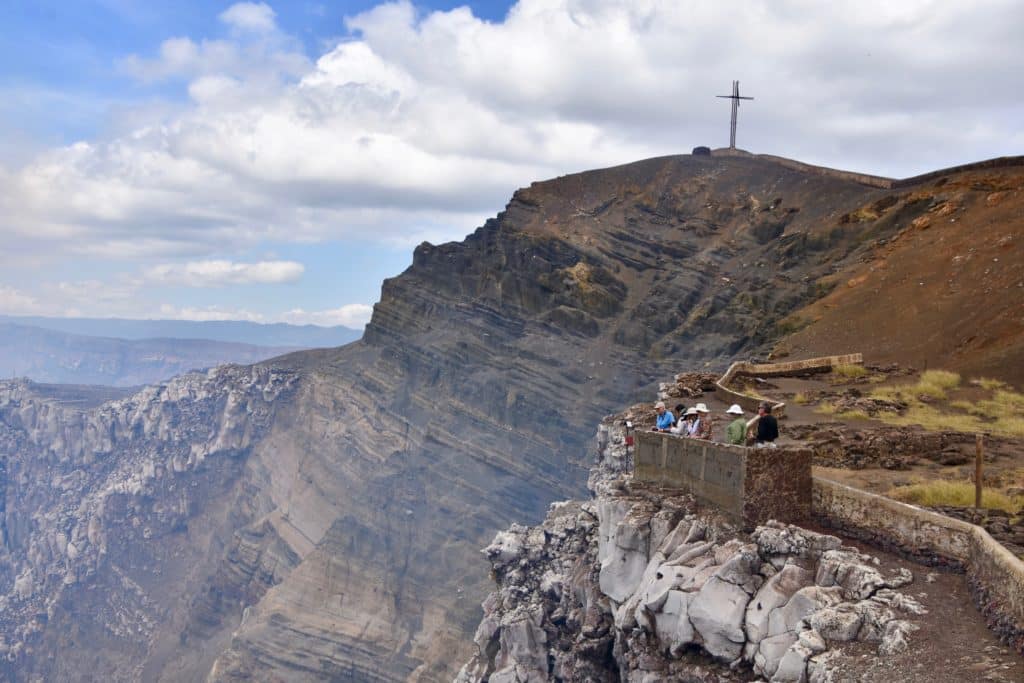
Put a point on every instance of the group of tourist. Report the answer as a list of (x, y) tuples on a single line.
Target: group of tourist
[(696, 422)]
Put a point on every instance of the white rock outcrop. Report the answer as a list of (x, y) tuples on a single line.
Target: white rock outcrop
[(625, 587)]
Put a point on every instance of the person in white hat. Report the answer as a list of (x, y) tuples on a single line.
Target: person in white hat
[(682, 427), (736, 432), (703, 426)]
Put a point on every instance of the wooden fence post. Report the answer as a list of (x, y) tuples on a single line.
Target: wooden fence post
[(978, 459)]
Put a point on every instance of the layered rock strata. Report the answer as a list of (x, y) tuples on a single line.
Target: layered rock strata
[(634, 586)]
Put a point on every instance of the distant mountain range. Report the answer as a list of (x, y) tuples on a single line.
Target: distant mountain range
[(125, 353), (235, 331)]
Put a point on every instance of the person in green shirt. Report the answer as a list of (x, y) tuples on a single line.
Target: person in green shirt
[(736, 432)]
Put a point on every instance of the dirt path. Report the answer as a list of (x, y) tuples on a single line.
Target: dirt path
[(952, 646)]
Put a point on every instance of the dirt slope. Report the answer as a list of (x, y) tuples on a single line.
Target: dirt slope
[(945, 290)]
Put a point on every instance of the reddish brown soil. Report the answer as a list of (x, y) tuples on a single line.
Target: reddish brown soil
[(946, 291)]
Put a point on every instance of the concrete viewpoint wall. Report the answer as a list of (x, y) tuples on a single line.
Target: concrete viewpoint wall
[(741, 369), (996, 575), (752, 485)]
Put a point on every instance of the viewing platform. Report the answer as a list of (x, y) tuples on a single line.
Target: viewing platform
[(752, 485)]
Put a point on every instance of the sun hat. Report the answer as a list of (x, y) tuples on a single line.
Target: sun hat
[(690, 411), (735, 409), (701, 408)]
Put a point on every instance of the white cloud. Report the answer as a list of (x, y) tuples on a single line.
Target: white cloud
[(16, 302), (250, 16), (349, 315), (171, 312), (419, 126), (217, 273)]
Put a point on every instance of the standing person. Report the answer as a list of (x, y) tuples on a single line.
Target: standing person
[(680, 425), (665, 418), (767, 427), (705, 425), (736, 432)]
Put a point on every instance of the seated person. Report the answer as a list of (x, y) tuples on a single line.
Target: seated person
[(665, 418)]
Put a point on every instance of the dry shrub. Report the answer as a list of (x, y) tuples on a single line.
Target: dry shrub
[(955, 494), (935, 383), (826, 409), (990, 384), (849, 371)]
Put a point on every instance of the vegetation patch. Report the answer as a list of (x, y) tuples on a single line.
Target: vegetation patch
[(990, 384), (849, 371), (1002, 412), (826, 409), (955, 494), (832, 410), (861, 215), (936, 383)]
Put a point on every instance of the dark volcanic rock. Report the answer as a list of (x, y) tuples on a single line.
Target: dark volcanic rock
[(318, 517)]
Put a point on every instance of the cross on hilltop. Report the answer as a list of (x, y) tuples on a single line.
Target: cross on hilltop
[(735, 97)]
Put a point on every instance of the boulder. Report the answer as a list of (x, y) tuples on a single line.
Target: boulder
[(672, 623), (775, 593), (717, 613)]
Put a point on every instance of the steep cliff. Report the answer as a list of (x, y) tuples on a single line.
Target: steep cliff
[(639, 584), (319, 516)]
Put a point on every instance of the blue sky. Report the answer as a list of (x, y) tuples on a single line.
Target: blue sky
[(275, 161)]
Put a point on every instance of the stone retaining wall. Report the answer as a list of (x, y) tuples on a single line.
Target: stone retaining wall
[(752, 485), (796, 367), (995, 574)]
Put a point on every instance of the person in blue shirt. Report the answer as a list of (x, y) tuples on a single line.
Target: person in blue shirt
[(665, 418)]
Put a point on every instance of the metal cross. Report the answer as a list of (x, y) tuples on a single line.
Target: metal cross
[(735, 97)]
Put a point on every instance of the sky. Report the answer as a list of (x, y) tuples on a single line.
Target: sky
[(274, 162)]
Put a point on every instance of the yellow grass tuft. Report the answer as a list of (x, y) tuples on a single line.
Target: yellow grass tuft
[(935, 383), (1002, 413), (954, 493), (990, 384), (849, 371), (826, 409), (800, 398)]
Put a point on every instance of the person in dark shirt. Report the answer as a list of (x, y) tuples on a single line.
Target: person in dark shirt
[(767, 427)]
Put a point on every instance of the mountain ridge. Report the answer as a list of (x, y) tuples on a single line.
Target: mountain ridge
[(230, 331)]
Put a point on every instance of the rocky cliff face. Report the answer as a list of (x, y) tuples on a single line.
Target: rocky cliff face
[(110, 514), (318, 516), (633, 585)]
